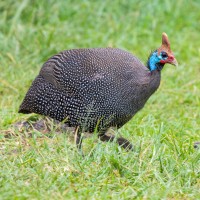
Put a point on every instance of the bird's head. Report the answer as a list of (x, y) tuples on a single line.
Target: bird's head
[(162, 55)]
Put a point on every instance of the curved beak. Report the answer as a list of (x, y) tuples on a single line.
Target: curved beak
[(174, 62)]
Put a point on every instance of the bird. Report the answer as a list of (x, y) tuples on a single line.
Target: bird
[(96, 88)]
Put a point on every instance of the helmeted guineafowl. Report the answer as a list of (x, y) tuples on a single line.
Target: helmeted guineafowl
[(96, 88)]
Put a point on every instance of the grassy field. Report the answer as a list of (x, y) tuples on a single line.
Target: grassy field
[(164, 164)]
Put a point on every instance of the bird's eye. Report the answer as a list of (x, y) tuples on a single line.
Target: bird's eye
[(164, 55)]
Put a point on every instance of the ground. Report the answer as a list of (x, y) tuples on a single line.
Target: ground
[(40, 165)]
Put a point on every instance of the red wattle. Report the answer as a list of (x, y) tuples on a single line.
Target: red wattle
[(162, 61)]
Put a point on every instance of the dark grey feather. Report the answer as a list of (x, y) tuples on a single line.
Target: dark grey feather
[(104, 86)]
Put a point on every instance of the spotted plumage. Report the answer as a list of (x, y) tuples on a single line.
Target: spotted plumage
[(93, 88)]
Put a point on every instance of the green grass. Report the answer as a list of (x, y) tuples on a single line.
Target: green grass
[(164, 164)]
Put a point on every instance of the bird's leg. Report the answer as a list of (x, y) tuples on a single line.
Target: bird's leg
[(124, 143), (110, 137)]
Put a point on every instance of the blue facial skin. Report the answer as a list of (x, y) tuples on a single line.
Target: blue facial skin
[(155, 59)]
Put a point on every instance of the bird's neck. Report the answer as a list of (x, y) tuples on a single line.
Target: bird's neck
[(153, 62)]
